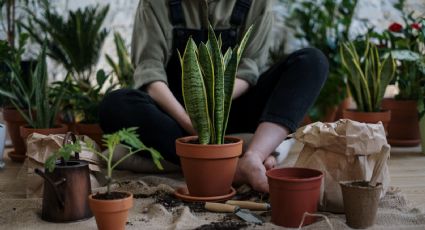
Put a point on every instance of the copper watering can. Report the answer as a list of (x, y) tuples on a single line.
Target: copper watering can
[(66, 189)]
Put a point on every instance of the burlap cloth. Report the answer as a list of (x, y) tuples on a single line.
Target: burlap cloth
[(148, 213)]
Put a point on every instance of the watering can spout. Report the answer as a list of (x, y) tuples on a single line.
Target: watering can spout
[(54, 186)]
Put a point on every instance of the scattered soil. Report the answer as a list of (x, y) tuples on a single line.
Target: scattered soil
[(169, 201), (112, 196), (231, 225)]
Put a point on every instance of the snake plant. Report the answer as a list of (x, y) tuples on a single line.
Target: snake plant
[(208, 77), (368, 75)]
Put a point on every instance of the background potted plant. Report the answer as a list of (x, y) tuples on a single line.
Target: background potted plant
[(368, 77), (209, 160), (111, 208), (404, 43)]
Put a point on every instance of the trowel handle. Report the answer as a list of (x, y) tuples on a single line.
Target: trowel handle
[(219, 207), (251, 205), (383, 156)]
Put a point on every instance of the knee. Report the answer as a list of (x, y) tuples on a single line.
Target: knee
[(112, 100), (314, 60)]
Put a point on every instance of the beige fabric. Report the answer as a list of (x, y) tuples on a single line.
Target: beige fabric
[(152, 36), (394, 212), (345, 150), (39, 148)]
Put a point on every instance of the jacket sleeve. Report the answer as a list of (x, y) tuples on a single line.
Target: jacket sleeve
[(255, 56), (149, 46)]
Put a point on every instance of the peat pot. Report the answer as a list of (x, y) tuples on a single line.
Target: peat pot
[(293, 192)]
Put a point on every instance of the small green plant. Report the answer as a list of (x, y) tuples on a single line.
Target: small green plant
[(123, 70), (368, 75), (65, 153), (208, 78)]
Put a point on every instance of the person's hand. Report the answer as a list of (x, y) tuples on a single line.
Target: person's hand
[(252, 171)]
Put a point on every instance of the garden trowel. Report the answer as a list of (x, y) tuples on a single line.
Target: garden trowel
[(244, 214)]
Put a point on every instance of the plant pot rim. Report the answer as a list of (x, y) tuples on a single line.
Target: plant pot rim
[(57, 126), (271, 174), (213, 151), (356, 111), (347, 185), (185, 140), (130, 196), (77, 164)]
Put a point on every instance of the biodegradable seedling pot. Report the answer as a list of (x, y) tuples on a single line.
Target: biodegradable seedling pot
[(208, 169), (111, 213), (360, 203), (293, 192)]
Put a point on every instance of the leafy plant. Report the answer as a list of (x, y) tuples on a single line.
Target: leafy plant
[(123, 70), (323, 25), (74, 42), (208, 78), (368, 76), (64, 152)]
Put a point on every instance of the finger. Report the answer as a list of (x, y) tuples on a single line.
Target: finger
[(270, 162)]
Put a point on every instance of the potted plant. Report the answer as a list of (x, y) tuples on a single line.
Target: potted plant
[(111, 208), (368, 77), (404, 43), (209, 160)]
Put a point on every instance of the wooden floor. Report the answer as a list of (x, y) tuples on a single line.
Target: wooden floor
[(407, 169)]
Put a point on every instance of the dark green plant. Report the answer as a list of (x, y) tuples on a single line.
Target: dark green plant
[(75, 42), (65, 152), (368, 75), (208, 78), (323, 25), (123, 70)]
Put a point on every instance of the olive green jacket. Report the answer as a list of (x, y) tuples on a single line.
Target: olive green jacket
[(151, 46)]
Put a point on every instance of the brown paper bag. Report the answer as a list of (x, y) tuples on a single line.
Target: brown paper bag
[(345, 150), (40, 147)]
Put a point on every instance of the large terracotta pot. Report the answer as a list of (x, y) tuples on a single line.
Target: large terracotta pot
[(403, 129), (91, 130), (293, 192), (14, 120), (208, 169), (26, 131), (369, 117), (111, 214)]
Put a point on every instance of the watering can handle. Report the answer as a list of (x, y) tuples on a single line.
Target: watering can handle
[(383, 156), (66, 139), (54, 186)]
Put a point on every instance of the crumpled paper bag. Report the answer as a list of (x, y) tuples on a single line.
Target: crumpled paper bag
[(344, 150), (40, 147)]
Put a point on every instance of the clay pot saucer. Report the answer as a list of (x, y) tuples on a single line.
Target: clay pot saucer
[(404, 143), (183, 194)]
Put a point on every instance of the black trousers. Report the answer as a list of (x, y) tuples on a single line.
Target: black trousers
[(282, 95)]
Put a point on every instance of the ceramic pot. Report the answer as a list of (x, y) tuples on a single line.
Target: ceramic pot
[(369, 117), (360, 203), (111, 214), (294, 191), (208, 169), (14, 120), (403, 129), (91, 130)]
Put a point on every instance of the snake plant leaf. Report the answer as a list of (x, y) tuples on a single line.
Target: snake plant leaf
[(218, 84), (387, 73), (243, 42), (194, 92), (348, 61), (227, 56), (229, 82)]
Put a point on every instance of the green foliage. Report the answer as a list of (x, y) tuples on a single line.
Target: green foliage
[(208, 78), (123, 70), (368, 76), (74, 42), (323, 25), (130, 140), (65, 152)]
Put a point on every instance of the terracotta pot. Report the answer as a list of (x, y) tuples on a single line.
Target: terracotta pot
[(360, 203), (111, 214), (403, 129), (345, 104), (294, 191), (330, 115), (208, 169), (91, 130), (369, 117), (14, 120), (26, 131)]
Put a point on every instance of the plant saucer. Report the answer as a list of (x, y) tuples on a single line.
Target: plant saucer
[(404, 143), (183, 194)]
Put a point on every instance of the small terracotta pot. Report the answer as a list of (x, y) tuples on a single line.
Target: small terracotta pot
[(360, 203), (111, 214), (369, 117), (208, 169), (294, 191), (403, 129), (14, 120), (91, 130), (26, 131)]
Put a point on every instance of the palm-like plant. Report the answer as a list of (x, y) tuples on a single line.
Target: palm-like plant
[(368, 75), (123, 70), (75, 42), (208, 78)]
